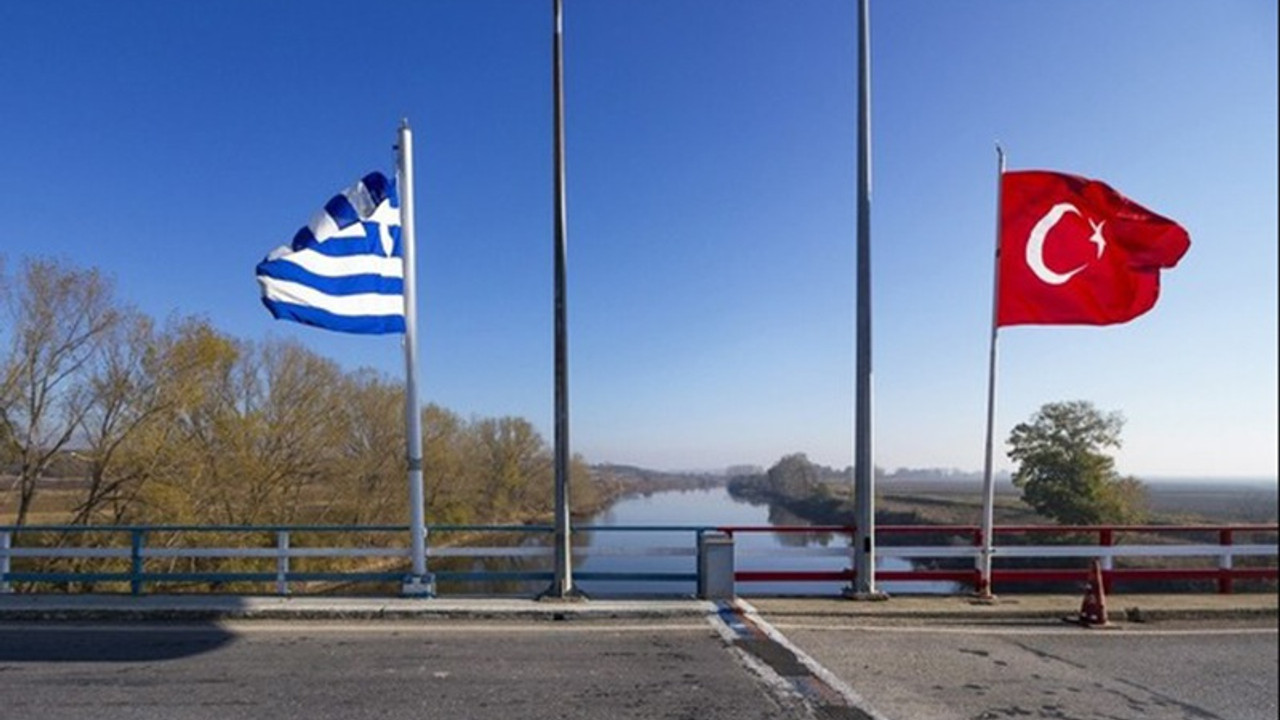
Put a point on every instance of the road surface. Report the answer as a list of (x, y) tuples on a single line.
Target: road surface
[(735, 665)]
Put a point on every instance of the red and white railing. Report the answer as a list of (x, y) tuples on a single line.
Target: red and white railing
[(1129, 553)]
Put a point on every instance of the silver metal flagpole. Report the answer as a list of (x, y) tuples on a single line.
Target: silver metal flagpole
[(562, 584), (864, 587), (418, 582), (988, 481)]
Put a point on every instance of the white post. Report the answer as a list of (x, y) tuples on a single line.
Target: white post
[(988, 481), (419, 582), (282, 562)]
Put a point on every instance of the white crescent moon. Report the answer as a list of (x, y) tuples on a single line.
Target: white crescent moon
[(1035, 245)]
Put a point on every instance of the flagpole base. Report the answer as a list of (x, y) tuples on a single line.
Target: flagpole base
[(553, 595), (850, 593), (421, 586)]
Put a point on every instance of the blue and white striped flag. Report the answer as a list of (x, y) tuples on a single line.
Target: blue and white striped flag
[(344, 271)]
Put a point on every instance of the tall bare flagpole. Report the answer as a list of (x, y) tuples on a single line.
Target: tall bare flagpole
[(418, 582), (562, 584), (864, 586), (988, 480)]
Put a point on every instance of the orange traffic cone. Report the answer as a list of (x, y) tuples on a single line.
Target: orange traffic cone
[(1093, 611)]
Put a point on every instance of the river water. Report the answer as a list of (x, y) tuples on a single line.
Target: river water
[(752, 551)]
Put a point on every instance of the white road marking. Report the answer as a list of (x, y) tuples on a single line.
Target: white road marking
[(851, 696), (783, 690)]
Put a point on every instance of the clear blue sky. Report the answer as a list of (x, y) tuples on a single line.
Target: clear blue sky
[(711, 202)]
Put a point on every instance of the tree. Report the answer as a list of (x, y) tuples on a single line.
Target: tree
[(514, 465), (57, 318), (1064, 471), (124, 396), (178, 455), (147, 383), (453, 492), (793, 477), (370, 472), (181, 424)]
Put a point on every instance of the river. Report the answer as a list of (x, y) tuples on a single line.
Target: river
[(753, 551)]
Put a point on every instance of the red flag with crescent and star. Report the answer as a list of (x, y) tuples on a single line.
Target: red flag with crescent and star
[(1073, 251)]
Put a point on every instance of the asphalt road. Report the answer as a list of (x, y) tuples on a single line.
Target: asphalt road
[(996, 671), (735, 665), (500, 670)]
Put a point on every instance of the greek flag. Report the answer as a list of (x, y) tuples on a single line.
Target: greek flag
[(344, 271)]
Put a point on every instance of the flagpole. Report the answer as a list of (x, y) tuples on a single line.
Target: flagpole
[(562, 583), (988, 482), (419, 582), (864, 587)]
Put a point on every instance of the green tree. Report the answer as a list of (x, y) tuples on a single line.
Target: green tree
[(1064, 471), (794, 477)]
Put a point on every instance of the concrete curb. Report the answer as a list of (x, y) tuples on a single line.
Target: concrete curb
[(1139, 614), (1127, 608), (45, 608), (197, 608), (1135, 614)]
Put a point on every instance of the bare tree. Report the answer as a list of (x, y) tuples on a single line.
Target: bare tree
[(262, 437), (370, 471), (453, 492), (515, 465), (141, 379), (57, 318)]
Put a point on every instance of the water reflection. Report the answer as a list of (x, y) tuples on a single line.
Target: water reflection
[(671, 520), (783, 517)]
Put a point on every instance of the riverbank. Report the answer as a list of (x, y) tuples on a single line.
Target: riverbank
[(828, 504)]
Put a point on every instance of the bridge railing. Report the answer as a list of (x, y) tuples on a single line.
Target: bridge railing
[(1033, 554), (283, 556), (307, 557)]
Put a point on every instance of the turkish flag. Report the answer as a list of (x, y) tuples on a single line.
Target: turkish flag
[(1073, 251)]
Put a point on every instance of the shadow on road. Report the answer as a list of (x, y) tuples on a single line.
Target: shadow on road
[(141, 642)]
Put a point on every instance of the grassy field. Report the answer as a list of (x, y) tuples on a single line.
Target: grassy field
[(55, 500), (1172, 502), (1221, 501)]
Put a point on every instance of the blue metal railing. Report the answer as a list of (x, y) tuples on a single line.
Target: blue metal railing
[(122, 553)]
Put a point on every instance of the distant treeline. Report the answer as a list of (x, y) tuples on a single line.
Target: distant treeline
[(814, 493), (826, 474), (616, 480), (811, 491)]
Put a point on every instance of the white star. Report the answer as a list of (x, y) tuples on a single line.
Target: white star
[(1096, 238)]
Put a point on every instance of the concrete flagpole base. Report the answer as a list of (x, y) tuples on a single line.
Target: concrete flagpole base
[(551, 596), (421, 586), (861, 596)]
